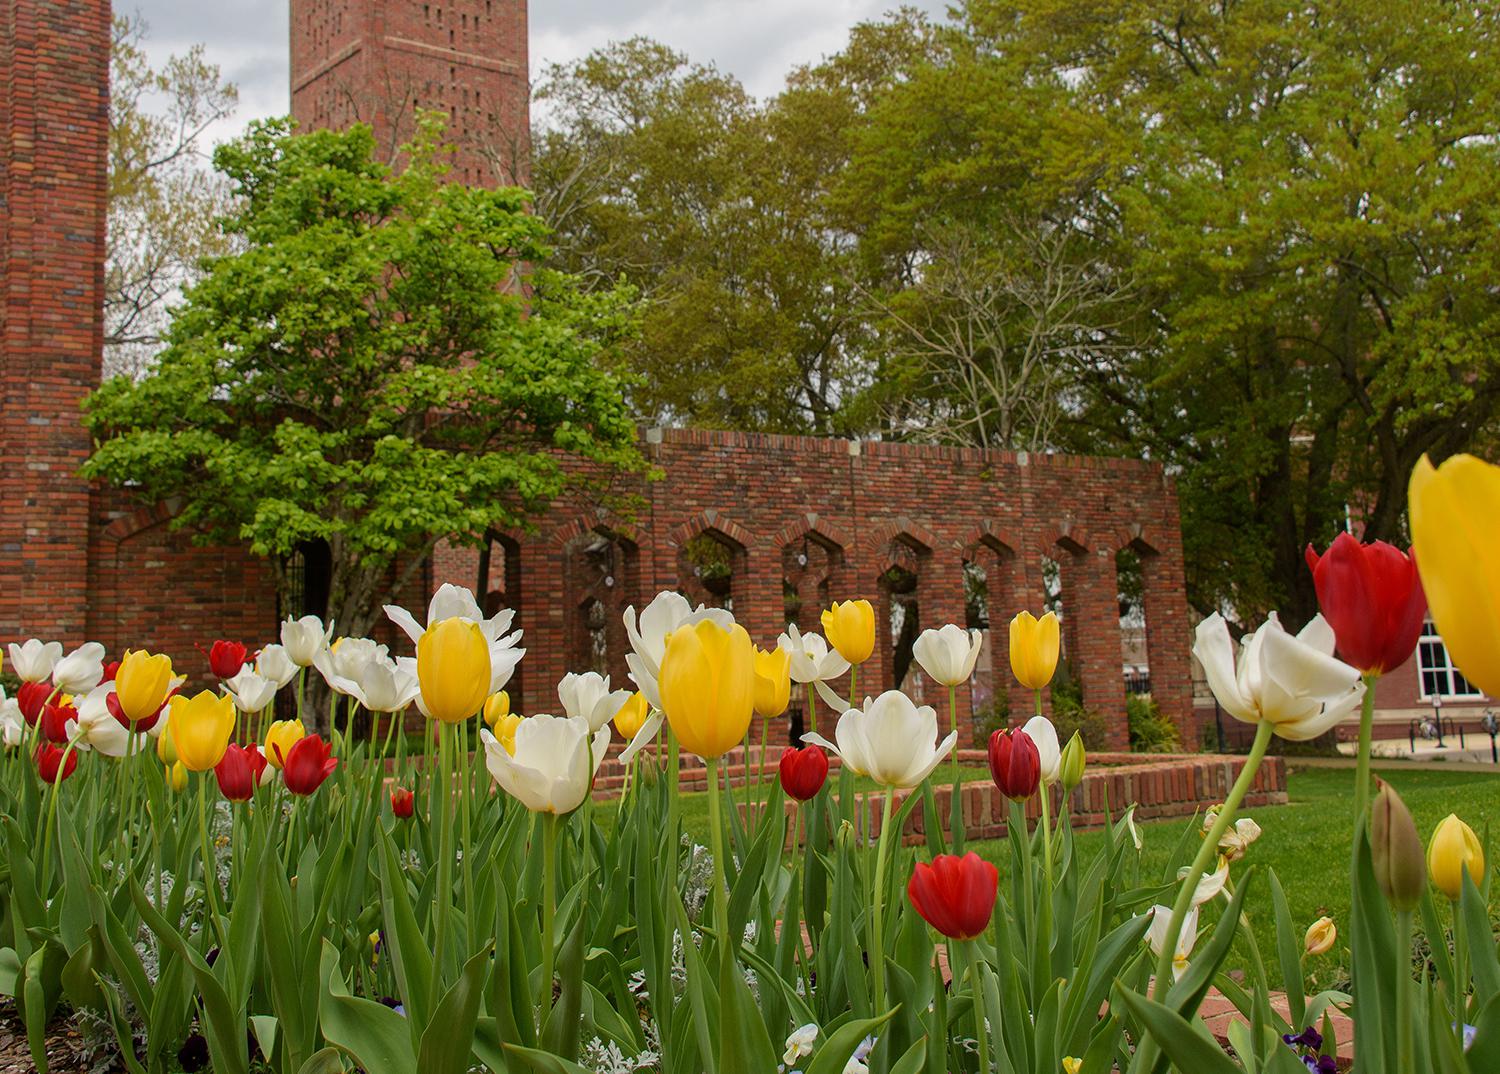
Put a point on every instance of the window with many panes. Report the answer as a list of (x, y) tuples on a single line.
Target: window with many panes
[(1435, 671)]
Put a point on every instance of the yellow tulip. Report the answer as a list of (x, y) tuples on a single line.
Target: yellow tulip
[(632, 716), (281, 736), (1071, 1065), (142, 682), (453, 666), (165, 750), (1321, 936), (496, 706), (505, 731), (773, 681), (1453, 509), (708, 686), (201, 726), (177, 777), (850, 627), (1453, 848), (1034, 645)]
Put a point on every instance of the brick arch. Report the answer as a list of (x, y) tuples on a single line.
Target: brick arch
[(1140, 536), (139, 520), (817, 527), (1001, 540), (902, 529), (1065, 534), (601, 519), (711, 519)]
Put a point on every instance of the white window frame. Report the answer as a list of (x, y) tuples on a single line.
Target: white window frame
[(1430, 644)]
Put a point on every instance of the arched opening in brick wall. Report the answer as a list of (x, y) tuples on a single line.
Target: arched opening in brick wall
[(978, 615), (600, 573), (812, 579), (1135, 663), (498, 582), (711, 565), (992, 596), (898, 619)]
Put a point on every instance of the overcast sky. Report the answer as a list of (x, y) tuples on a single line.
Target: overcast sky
[(756, 40)]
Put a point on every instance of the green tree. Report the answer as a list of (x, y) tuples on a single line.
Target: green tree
[(163, 201), (1306, 197), (368, 370)]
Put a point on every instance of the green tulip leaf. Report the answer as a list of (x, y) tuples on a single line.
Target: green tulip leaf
[(1182, 1044), (370, 1033), (836, 1051), (543, 1062), (445, 1047), (325, 1061)]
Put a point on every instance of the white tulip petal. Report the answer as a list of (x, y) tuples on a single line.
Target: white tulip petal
[(643, 738)]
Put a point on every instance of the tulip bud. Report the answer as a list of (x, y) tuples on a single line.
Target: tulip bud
[(177, 777), (955, 895), (803, 771), (496, 706), (1321, 936), (850, 627), (166, 749), (1074, 760), (1014, 763), (1454, 847), (1396, 851)]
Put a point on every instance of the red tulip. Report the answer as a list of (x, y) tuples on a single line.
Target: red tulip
[(32, 697), (403, 803), (308, 763), (1371, 596), (111, 669), (239, 772), (225, 658), (1015, 763), (141, 726), (55, 719), (803, 771), (49, 759), (955, 895)]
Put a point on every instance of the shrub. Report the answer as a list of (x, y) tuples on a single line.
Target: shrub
[(1150, 731)]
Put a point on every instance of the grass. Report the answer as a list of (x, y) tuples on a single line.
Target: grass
[(1307, 842)]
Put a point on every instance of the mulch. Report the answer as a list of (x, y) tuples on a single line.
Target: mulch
[(65, 1049)]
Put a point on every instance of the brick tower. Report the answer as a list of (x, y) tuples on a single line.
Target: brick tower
[(54, 119), (378, 61)]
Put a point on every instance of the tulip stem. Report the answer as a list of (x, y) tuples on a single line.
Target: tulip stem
[(955, 806), (716, 836), (549, 908), (975, 959), (877, 900), (468, 834), (62, 768), (210, 866), (1366, 732), (444, 891), (853, 681), (1404, 1055), (1460, 972), (1206, 854), (812, 709)]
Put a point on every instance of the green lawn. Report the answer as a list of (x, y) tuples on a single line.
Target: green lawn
[(1306, 841)]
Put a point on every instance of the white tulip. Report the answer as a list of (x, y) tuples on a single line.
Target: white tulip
[(304, 639), (1292, 682), (643, 738), (343, 662), (33, 660), (648, 636), (81, 670), (812, 659), (948, 655), (1236, 840), (799, 1043), (275, 663), (588, 696), (98, 729), (252, 692), (385, 686), (457, 602), (891, 740), (1156, 936), (1131, 827), (12, 726), (1041, 732), (1209, 884), (551, 771)]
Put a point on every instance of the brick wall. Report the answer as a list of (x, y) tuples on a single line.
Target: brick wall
[(54, 113), (378, 61)]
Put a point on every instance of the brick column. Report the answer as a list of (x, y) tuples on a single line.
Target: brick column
[(54, 118), (1091, 604), (1169, 639)]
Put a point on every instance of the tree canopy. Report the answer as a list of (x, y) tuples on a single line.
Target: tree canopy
[(1254, 241), (371, 369)]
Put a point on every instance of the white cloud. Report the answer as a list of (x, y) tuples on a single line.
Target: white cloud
[(758, 41)]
